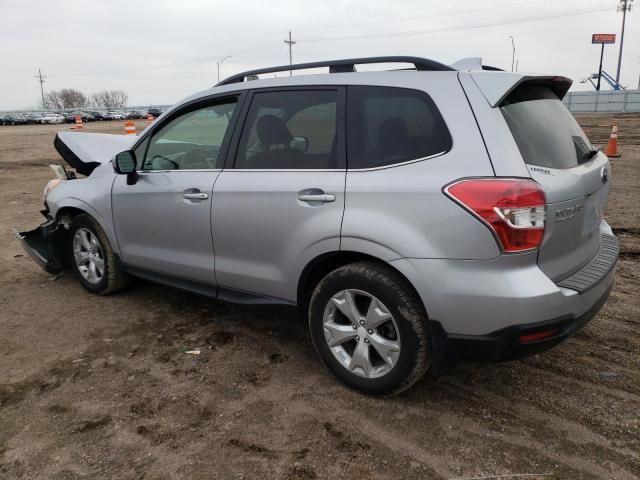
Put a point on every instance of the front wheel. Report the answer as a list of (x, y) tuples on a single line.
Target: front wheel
[(92, 259), (370, 328)]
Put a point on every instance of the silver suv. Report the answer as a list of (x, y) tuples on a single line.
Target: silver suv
[(418, 217)]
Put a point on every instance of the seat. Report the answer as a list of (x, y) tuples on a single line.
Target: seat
[(274, 134)]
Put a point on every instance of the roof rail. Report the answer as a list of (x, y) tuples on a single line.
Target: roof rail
[(340, 66)]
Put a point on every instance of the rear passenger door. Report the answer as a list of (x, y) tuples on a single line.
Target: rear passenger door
[(279, 203)]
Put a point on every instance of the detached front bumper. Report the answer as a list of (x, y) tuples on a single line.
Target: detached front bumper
[(45, 245)]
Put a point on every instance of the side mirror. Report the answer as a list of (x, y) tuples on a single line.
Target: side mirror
[(124, 163), (300, 144)]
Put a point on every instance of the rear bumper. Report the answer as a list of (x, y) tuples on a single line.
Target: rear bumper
[(45, 245), (479, 309), (513, 342)]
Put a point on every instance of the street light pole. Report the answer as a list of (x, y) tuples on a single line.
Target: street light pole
[(219, 63), (513, 52)]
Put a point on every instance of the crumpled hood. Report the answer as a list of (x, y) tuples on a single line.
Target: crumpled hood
[(85, 151)]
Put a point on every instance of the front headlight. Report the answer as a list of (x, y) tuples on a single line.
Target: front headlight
[(50, 186), (61, 176)]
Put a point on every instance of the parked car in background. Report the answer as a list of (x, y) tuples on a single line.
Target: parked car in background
[(70, 117), (52, 118), (135, 115), (15, 119), (416, 218), (33, 118), (156, 112), (98, 115), (116, 115)]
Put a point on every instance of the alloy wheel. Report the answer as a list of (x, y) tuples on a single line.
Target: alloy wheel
[(361, 333), (88, 255)]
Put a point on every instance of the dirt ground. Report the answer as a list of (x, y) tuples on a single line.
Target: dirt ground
[(101, 387)]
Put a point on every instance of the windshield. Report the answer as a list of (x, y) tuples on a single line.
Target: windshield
[(544, 130)]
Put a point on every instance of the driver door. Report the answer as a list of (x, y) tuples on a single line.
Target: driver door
[(163, 221)]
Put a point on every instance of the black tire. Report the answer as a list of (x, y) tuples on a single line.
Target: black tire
[(114, 276), (409, 315)]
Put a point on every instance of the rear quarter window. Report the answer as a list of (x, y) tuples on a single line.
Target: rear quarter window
[(388, 125)]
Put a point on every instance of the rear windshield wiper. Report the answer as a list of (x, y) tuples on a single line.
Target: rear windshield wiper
[(590, 154)]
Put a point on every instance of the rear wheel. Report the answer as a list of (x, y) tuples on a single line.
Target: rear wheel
[(92, 259), (369, 328)]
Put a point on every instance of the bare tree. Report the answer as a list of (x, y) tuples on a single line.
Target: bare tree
[(65, 98), (110, 99)]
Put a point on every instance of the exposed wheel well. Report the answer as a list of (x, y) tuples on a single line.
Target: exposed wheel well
[(320, 266), (69, 212)]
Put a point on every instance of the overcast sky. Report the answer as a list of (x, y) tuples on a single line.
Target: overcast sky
[(160, 51)]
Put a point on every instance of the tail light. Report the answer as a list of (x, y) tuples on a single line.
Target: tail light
[(512, 208)]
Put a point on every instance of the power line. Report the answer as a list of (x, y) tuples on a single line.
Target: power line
[(41, 78), (291, 43), (211, 57), (458, 27), (422, 16), (168, 65)]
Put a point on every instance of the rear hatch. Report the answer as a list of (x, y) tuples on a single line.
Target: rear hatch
[(573, 174)]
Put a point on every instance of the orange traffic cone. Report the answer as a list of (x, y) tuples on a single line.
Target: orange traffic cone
[(129, 128), (612, 146), (78, 123)]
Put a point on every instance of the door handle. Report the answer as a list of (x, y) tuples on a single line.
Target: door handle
[(319, 197), (195, 196)]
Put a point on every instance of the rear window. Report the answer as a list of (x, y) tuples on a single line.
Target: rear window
[(544, 130), (389, 125)]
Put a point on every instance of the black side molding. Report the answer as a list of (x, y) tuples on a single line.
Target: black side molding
[(206, 289)]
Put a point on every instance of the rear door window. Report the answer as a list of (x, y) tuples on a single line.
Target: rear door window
[(290, 130), (544, 130), (389, 125)]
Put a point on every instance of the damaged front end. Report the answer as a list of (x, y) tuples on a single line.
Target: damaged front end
[(45, 244)]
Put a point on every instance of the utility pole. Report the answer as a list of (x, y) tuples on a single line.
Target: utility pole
[(41, 78), (625, 6), (513, 52), (290, 43), (219, 63)]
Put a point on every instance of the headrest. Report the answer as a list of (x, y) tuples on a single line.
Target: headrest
[(273, 131)]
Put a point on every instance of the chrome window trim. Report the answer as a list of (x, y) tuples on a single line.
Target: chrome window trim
[(180, 170), (285, 170), (439, 154), (370, 169)]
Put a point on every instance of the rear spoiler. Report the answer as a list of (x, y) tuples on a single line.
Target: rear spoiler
[(496, 86)]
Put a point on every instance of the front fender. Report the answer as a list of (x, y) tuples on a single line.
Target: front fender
[(90, 195)]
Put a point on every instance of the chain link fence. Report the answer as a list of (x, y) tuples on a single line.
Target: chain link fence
[(621, 101)]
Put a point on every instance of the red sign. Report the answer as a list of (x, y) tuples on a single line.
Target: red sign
[(603, 38)]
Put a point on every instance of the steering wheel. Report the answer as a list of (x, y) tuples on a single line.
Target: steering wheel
[(172, 162), (196, 158)]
